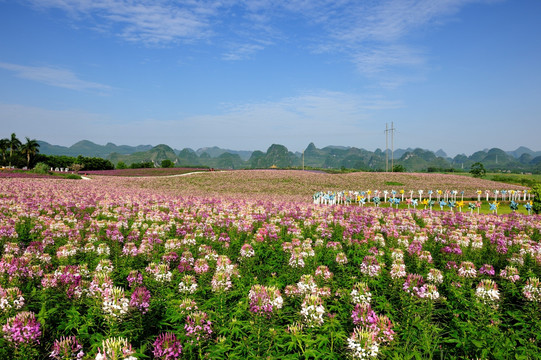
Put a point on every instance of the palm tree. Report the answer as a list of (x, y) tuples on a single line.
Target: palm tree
[(14, 145), (4, 146), (30, 148)]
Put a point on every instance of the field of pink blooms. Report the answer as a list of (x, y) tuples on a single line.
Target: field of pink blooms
[(292, 185), (242, 265), (143, 172)]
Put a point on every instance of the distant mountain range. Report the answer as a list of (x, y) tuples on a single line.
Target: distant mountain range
[(521, 159)]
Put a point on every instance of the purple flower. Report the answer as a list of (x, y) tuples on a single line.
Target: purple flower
[(487, 269), (23, 328), (167, 347), (364, 315), (135, 278), (452, 249), (415, 248), (140, 299), (414, 285)]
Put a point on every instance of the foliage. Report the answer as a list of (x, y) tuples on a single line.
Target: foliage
[(56, 161), (142, 165), (536, 202), (76, 167), (41, 168), (88, 163), (121, 165), (478, 170), (167, 163), (29, 149), (399, 168), (71, 176), (94, 163)]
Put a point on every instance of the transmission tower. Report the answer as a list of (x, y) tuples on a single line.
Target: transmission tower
[(387, 131), (386, 147)]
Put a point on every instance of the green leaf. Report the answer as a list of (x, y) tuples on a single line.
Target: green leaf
[(479, 344)]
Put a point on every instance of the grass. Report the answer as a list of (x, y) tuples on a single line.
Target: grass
[(528, 180), (503, 208), (393, 183), (31, 174)]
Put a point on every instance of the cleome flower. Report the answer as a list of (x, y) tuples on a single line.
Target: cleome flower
[(115, 349), (370, 266), (22, 328), (361, 294), (115, 305), (363, 344), (11, 298), (312, 310), (67, 348), (198, 326), (264, 300), (487, 293), (167, 347), (188, 285), (532, 290)]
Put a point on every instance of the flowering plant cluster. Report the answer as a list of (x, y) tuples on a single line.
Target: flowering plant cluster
[(264, 299), (167, 347), (117, 268), (67, 348), (22, 328)]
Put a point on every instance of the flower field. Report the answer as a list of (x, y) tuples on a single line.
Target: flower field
[(144, 172), (291, 185), (209, 266)]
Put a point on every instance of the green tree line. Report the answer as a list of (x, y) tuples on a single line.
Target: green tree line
[(15, 153)]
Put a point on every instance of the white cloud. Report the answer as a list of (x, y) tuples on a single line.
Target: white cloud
[(152, 22), (390, 21), (377, 59), (371, 34), (374, 35), (324, 117), (54, 77), (242, 52)]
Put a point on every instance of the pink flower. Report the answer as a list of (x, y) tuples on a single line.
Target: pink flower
[(167, 347), (140, 299), (23, 328)]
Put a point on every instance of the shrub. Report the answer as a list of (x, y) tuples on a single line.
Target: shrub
[(142, 165), (41, 168), (167, 163), (478, 170), (536, 192)]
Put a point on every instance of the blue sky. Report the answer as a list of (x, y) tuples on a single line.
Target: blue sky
[(461, 75)]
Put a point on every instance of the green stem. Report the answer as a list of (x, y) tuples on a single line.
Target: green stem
[(300, 346), (258, 338)]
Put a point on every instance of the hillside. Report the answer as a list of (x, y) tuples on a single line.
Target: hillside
[(330, 157)]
